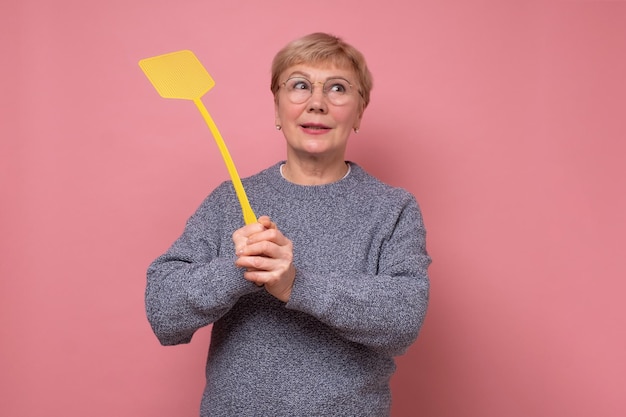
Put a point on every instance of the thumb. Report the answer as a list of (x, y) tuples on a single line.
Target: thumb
[(267, 222)]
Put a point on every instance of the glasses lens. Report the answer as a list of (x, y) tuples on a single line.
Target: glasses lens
[(298, 89), (337, 90)]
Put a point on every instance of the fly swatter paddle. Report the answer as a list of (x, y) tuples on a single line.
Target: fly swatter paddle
[(181, 75)]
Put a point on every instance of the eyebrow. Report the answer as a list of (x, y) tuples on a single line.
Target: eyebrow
[(308, 76), (304, 74)]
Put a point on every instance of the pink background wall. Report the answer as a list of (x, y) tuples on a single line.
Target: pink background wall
[(507, 121)]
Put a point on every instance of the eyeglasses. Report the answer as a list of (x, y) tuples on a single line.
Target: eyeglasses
[(338, 90)]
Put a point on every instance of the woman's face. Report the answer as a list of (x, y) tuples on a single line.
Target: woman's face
[(320, 125)]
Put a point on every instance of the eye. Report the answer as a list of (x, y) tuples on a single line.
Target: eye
[(338, 86), (299, 84)]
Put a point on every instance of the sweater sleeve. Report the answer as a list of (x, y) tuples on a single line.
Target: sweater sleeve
[(192, 284), (385, 310)]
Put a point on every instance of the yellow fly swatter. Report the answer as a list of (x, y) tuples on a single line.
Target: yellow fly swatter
[(181, 75)]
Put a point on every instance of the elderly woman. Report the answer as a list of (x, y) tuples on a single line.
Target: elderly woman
[(310, 305)]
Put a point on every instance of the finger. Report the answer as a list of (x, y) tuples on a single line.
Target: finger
[(266, 249), (255, 263), (262, 248), (241, 235), (261, 277), (270, 235), (265, 221), (248, 230), (253, 278)]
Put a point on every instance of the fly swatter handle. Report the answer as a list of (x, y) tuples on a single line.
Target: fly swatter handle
[(248, 214)]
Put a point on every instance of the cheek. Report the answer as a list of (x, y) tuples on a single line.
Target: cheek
[(288, 112), (346, 116)]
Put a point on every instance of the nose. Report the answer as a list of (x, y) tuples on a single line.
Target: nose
[(317, 102)]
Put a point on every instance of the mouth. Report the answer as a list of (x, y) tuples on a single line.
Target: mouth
[(315, 126)]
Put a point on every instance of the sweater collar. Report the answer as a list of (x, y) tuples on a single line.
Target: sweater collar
[(273, 178)]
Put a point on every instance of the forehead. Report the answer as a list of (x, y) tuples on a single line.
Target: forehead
[(321, 71)]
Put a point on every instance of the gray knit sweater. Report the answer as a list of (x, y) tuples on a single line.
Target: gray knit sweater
[(359, 297)]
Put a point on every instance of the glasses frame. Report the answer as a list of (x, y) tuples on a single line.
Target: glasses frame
[(324, 92)]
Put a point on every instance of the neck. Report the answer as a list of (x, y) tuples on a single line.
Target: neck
[(314, 173)]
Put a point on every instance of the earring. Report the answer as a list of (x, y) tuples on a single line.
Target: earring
[(278, 127), (356, 130)]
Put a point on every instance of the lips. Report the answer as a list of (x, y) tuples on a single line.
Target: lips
[(314, 126)]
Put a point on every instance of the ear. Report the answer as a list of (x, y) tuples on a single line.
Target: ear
[(357, 122), (276, 116)]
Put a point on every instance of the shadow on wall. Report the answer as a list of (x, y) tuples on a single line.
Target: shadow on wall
[(401, 165), (431, 365), (402, 156)]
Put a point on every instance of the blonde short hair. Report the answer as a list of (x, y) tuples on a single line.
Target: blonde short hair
[(323, 48)]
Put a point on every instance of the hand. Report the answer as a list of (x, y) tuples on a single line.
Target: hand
[(267, 256)]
